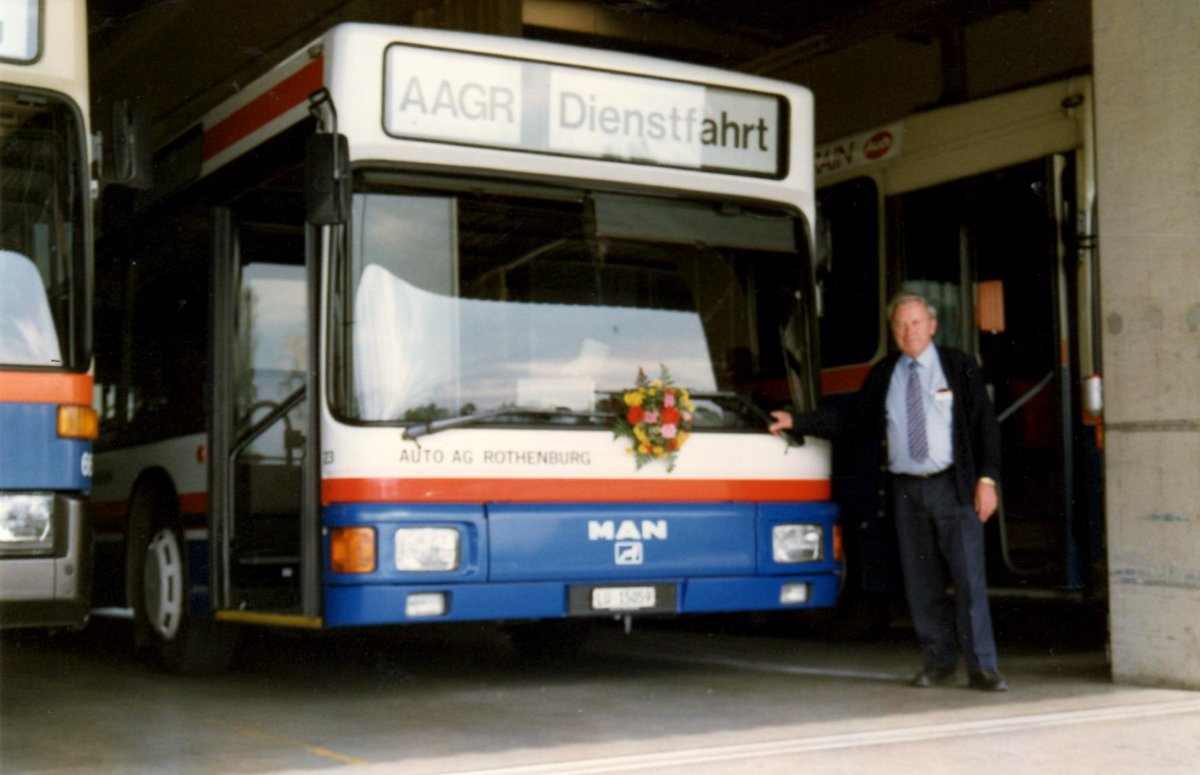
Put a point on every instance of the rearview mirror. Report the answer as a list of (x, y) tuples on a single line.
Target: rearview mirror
[(327, 179), (129, 150)]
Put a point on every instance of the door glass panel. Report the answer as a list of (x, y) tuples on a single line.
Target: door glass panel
[(271, 348), (271, 416)]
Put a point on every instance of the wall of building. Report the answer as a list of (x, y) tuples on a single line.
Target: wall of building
[(1147, 120), (889, 76)]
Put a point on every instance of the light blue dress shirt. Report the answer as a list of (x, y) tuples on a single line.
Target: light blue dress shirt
[(939, 416)]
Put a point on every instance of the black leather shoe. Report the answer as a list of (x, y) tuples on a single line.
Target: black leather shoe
[(934, 676), (988, 681)]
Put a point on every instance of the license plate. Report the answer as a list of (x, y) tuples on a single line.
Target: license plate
[(622, 598)]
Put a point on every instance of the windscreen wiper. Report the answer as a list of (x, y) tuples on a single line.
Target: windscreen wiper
[(414, 432), (746, 403)]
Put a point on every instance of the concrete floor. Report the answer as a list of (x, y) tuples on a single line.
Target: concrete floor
[(703, 696)]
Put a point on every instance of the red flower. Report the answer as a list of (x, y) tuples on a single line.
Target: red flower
[(670, 416), (635, 415), (673, 444)]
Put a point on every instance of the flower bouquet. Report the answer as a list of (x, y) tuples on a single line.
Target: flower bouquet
[(657, 418)]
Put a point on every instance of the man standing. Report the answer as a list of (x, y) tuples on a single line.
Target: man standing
[(930, 405)]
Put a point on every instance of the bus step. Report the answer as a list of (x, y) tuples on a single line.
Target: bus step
[(265, 559)]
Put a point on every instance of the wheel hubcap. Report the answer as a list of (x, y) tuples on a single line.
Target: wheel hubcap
[(163, 584)]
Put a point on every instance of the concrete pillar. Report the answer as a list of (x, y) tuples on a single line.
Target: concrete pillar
[(1147, 78)]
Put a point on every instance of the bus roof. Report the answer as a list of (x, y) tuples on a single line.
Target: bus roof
[(445, 100)]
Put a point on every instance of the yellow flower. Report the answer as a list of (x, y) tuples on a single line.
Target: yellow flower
[(644, 449), (634, 398), (659, 452)]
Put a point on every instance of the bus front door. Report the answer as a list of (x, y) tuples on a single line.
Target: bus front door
[(264, 414), (987, 252)]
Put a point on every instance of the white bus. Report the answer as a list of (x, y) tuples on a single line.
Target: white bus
[(500, 349), (987, 208), (47, 423)]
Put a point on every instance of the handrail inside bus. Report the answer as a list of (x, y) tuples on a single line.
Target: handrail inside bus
[(259, 428), (1001, 514), (1026, 398)]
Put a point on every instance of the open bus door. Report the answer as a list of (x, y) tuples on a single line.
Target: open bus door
[(988, 251), (266, 540)]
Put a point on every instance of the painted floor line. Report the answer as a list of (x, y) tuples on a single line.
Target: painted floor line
[(714, 660), (917, 733)]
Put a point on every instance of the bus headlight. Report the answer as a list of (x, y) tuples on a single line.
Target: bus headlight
[(26, 523), (427, 549), (797, 543)]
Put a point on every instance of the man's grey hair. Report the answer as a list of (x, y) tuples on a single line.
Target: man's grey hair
[(907, 298)]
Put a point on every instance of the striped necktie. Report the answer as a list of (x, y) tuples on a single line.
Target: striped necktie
[(918, 445)]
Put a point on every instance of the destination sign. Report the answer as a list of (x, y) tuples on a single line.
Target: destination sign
[(20, 30), (456, 97)]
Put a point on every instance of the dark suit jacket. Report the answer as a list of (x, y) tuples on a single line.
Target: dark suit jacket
[(975, 433)]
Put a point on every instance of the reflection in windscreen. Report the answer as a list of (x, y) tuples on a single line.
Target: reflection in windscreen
[(453, 305), (27, 333), (413, 348)]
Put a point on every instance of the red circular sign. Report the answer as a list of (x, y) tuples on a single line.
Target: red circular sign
[(878, 145)]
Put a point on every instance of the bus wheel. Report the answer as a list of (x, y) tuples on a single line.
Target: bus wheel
[(184, 644)]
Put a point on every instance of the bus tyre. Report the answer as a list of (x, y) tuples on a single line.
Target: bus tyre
[(183, 644)]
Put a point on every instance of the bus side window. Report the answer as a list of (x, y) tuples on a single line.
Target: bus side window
[(152, 358)]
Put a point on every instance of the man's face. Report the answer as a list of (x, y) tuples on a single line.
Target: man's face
[(913, 328)]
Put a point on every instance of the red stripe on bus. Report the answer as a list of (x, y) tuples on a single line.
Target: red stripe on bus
[(46, 387), (107, 512), (571, 490), (256, 114), (193, 503), (843, 379)]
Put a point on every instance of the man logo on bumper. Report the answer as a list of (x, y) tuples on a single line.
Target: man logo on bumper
[(628, 553), (627, 530), (627, 535)]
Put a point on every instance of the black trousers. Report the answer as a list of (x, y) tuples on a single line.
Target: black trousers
[(941, 542)]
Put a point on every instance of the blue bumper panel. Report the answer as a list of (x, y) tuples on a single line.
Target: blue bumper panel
[(33, 457), (532, 542), (347, 606)]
